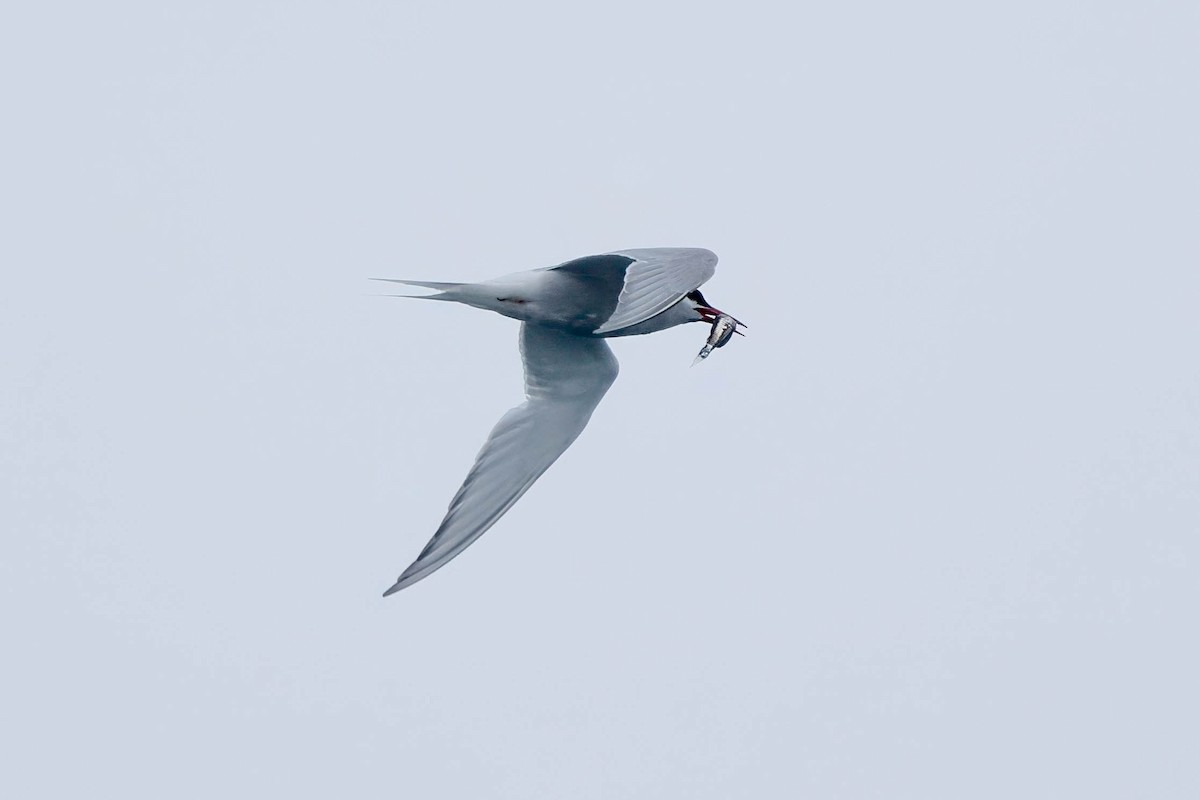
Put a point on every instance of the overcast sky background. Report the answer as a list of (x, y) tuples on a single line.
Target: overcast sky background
[(931, 531)]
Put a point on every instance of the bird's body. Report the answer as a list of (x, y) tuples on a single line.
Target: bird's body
[(567, 311)]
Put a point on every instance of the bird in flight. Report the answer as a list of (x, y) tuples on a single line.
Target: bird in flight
[(566, 313)]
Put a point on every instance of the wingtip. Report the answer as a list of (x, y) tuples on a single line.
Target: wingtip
[(397, 586)]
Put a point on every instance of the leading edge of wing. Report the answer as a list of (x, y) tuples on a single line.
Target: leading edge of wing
[(565, 378)]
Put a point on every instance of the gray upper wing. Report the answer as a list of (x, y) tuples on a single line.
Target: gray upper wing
[(565, 378), (657, 279)]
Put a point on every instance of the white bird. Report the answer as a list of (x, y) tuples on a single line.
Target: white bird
[(566, 312)]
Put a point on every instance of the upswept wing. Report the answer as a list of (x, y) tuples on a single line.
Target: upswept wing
[(657, 279), (565, 378)]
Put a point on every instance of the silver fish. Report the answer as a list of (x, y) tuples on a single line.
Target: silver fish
[(723, 328)]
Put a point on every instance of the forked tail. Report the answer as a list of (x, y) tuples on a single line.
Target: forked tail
[(446, 289)]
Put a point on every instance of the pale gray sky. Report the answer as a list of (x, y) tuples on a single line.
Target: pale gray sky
[(930, 531)]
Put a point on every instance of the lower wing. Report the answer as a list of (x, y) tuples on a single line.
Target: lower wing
[(565, 378)]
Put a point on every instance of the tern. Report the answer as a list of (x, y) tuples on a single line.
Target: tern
[(566, 313)]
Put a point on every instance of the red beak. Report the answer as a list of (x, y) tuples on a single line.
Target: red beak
[(709, 314)]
